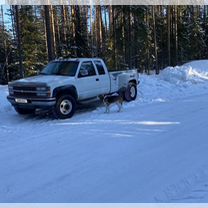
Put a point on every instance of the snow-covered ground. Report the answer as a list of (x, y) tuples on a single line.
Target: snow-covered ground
[(155, 150)]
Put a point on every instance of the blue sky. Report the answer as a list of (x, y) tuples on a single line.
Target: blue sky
[(7, 19)]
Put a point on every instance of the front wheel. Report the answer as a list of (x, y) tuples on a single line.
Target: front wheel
[(65, 107), (130, 92)]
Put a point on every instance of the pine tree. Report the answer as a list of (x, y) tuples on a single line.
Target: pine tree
[(32, 40), (5, 49)]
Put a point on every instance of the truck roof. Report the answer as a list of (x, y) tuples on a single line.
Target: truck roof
[(78, 59)]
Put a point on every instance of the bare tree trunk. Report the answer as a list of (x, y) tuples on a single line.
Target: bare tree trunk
[(57, 33), (106, 24), (124, 47), (176, 35), (147, 69), (73, 12), (91, 30), (50, 48), (155, 41), (5, 71), (114, 36), (98, 30), (68, 21), (168, 22), (77, 30), (86, 29), (19, 43), (101, 27), (63, 19), (129, 37), (53, 30)]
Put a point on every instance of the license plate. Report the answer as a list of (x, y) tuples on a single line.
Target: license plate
[(20, 100)]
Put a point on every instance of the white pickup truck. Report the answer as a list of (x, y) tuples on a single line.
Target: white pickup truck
[(65, 82)]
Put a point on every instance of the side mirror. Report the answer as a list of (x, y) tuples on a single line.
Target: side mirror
[(83, 72)]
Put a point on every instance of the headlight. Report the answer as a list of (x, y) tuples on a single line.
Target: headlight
[(11, 91), (43, 91)]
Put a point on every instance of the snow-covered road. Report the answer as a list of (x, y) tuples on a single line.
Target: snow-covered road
[(154, 151)]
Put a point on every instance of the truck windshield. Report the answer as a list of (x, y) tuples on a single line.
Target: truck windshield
[(63, 68)]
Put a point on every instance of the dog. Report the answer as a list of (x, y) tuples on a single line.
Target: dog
[(109, 100)]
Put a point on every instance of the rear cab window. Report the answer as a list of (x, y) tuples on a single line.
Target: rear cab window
[(99, 66)]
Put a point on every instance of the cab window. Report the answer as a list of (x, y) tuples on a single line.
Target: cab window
[(100, 68), (87, 69)]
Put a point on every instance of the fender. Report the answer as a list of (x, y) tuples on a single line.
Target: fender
[(66, 89)]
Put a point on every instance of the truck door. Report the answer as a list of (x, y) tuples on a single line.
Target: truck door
[(87, 81), (104, 80)]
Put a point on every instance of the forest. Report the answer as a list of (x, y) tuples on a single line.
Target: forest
[(147, 38)]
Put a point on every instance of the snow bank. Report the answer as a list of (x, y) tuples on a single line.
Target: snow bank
[(190, 73), (184, 74), (175, 82), (4, 105), (200, 65)]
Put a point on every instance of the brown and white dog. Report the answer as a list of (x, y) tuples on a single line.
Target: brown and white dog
[(109, 100)]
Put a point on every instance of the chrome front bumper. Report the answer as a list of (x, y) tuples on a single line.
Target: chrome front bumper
[(33, 102)]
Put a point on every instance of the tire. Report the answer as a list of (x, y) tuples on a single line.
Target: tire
[(65, 107), (24, 111), (130, 92)]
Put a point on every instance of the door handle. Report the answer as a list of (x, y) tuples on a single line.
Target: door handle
[(97, 79)]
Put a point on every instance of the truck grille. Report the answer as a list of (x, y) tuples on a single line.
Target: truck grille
[(25, 88), (28, 91), (25, 94)]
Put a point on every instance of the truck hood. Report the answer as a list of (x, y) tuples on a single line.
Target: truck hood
[(49, 80)]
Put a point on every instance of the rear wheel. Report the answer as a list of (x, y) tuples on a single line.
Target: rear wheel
[(130, 92), (65, 107), (24, 111)]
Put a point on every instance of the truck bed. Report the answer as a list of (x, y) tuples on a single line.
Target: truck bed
[(120, 77)]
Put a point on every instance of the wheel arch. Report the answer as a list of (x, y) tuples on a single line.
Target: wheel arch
[(65, 90), (133, 81)]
